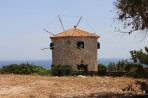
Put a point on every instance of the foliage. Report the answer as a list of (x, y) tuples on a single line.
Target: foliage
[(67, 70), (135, 68), (40, 70), (111, 67), (79, 72), (23, 69), (119, 67), (61, 70), (133, 14), (137, 71), (56, 70), (102, 69), (140, 56), (128, 66), (131, 69), (132, 72)]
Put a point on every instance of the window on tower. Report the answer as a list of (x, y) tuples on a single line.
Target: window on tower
[(98, 45), (80, 44), (51, 46)]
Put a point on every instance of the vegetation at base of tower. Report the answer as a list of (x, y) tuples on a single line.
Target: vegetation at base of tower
[(61, 70), (102, 69), (65, 70), (79, 72), (138, 68), (24, 69), (133, 14)]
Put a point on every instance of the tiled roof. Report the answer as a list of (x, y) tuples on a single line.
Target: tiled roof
[(75, 32)]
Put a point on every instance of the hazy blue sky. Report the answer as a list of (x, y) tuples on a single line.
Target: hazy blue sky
[(22, 23)]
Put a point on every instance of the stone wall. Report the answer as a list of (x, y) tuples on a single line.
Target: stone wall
[(66, 52)]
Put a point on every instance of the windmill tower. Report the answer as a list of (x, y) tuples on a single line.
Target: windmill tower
[(75, 47)]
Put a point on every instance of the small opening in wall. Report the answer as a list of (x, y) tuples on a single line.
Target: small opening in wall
[(80, 45), (98, 45), (51, 46)]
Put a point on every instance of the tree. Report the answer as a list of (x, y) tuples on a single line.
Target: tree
[(102, 69), (140, 56), (119, 67), (133, 14), (111, 67)]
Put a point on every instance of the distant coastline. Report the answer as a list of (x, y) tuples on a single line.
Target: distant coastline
[(47, 63)]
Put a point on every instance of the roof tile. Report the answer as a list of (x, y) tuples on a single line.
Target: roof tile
[(75, 32)]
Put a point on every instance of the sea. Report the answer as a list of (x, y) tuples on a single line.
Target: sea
[(47, 63)]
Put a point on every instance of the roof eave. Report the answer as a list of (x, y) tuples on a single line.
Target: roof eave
[(54, 37)]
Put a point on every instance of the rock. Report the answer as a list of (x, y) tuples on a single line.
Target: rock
[(81, 76)]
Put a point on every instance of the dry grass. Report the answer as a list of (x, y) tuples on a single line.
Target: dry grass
[(24, 86)]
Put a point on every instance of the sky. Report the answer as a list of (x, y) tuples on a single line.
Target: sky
[(22, 23)]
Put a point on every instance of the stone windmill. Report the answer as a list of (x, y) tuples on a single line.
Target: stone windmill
[(75, 47)]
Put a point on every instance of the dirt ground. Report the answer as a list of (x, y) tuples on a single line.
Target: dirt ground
[(34, 86)]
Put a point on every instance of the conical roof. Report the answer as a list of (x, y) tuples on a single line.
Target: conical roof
[(75, 32)]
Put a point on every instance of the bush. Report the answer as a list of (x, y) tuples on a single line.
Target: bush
[(136, 70), (40, 70), (111, 67), (23, 69), (61, 70), (56, 70), (79, 72), (67, 70), (119, 67), (131, 69), (102, 69), (132, 72)]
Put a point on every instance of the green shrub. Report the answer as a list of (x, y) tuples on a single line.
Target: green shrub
[(56, 70), (67, 70), (79, 72), (61, 70), (23, 69), (119, 67), (111, 67), (136, 70), (102, 69), (132, 72), (40, 70), (131, 69), (128, 66)]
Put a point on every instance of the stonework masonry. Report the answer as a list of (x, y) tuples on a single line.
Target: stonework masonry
[(66, 52)]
